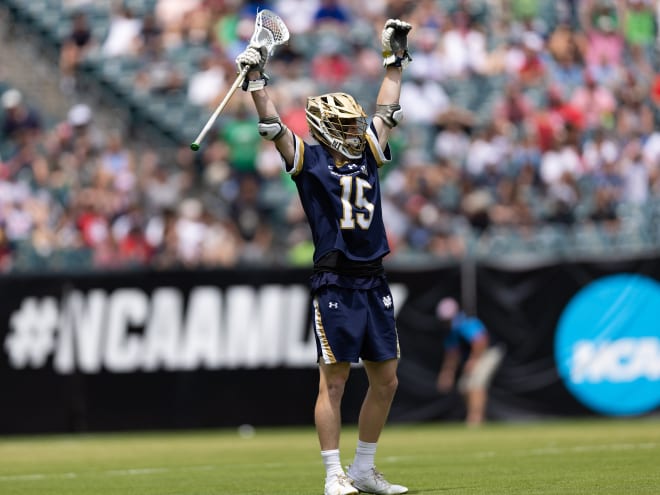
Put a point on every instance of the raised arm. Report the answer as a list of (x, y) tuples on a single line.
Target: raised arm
[(394, 41), (270, 125)]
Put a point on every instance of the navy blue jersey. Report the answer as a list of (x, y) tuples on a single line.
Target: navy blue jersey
[(342, 204)]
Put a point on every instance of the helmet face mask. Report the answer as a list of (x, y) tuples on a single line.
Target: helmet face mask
[(338, 121)]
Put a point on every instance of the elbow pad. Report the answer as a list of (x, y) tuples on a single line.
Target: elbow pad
[(390, 114), (271, 128)]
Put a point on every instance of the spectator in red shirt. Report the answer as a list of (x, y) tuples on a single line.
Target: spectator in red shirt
[(93, 226), (134, 248), (532, 70), (552, 120)]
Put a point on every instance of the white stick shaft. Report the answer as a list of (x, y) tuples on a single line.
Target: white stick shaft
[(219, 108)]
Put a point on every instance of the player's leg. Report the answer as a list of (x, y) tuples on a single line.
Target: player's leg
[(327, 413), (380, 353), (327, 417), (373, 415), (338, 339), (338, 334), (383, 383)]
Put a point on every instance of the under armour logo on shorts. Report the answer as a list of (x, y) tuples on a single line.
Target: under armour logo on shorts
[(333, 305), (387, 301)]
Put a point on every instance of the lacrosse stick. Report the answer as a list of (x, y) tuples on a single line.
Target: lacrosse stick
[(269, 31)]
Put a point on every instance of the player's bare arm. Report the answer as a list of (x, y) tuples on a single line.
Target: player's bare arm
[(394, 40), (270, 124)]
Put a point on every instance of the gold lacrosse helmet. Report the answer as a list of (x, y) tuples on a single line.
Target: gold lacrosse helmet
[(338, 121)]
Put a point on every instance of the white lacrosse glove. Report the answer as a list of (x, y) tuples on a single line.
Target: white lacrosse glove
[(254, 58), (395, 41)]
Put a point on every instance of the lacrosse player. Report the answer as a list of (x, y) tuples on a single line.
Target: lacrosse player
[(337, 181)]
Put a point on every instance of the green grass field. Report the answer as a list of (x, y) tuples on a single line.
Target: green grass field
[(602, 457)]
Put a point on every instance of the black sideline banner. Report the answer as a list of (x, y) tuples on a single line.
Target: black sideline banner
[(165, 350)]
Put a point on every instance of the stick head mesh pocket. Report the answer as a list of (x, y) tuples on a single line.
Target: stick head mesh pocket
[(269, 30)]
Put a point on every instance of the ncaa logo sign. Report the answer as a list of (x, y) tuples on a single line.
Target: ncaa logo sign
[(607, 345)]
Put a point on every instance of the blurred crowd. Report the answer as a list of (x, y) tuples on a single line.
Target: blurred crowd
[(518, 114)]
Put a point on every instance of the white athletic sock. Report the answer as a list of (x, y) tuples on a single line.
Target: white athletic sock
[(364, 457), (332, 463)]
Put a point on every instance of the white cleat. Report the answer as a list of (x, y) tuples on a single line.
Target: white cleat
[(374, 482), (339, 485)]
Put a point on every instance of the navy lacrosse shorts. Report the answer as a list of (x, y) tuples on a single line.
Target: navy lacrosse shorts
[(350, 324)]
